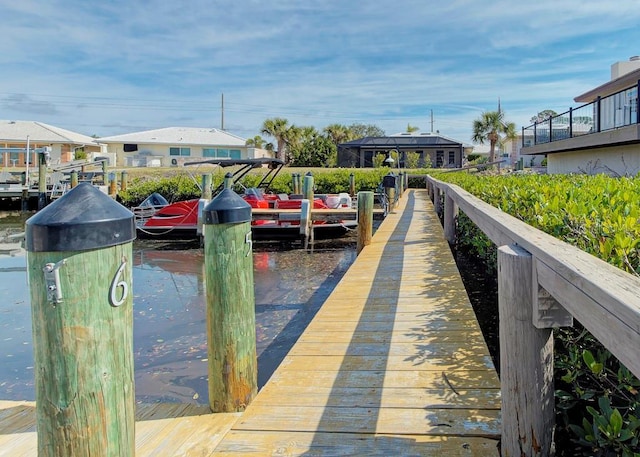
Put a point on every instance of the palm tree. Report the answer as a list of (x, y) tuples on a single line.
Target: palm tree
[(412, 128), (257, 142), (338, 133), (493, 128), (277, 127)]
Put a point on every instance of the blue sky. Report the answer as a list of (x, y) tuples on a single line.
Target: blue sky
[(119, 66)]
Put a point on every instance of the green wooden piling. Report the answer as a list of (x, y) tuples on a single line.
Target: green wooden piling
[(206, 186), (352, 184), (124, 180), (307, 188), (79, 265), (230, 303), (365, 219)]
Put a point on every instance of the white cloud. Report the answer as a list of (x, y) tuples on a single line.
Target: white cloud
[(119, 66)]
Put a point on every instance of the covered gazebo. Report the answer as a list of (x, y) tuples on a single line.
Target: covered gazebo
[(443, 152)]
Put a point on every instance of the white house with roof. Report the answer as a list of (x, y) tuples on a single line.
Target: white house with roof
[(15, 136), (173, 146)]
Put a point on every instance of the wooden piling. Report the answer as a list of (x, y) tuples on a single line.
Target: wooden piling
[(82, 318), (113, 184), (124, 180), (42, 181), (230, 303), (526, 360), (365, 219), (206, 186), (391, 197), (307, 187), (352, 184)]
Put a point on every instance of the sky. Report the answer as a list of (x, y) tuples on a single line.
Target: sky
[(119, 66)]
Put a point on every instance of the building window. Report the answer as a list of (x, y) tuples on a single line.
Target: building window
[(439, 159), (452, 158), (179, 151), (222, 153)]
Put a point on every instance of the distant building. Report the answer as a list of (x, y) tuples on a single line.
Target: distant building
[(600, 136), (173, 146), (441, 151), (64, 144)]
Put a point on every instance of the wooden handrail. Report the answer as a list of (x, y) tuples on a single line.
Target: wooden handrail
[(602, 297)]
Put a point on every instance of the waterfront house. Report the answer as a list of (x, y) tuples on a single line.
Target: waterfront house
[(173, 146), (64, 144), (442, 151), (600, 136)]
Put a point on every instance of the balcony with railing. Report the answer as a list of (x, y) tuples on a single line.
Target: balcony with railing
[(583, 127)]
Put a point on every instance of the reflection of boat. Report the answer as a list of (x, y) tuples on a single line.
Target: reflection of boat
[(155, 217)]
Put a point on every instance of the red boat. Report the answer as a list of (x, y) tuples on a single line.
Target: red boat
[(156, 217)]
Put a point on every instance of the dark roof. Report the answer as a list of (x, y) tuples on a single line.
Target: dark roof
[(400, 141)]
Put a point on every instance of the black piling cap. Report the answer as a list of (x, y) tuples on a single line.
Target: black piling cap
[(84, 218), (227, 208)]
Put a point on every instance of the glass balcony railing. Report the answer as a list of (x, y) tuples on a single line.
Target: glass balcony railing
[(607, 113)]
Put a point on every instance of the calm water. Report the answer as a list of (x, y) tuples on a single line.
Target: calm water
[(170, 347)]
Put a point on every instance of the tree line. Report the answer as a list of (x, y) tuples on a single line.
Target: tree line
[(306, 146)]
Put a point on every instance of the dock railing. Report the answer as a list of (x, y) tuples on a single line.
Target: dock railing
[(543, 283)]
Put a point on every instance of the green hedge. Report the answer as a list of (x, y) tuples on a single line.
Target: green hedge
[(327, 181)]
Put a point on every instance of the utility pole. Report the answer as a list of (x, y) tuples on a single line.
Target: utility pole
[(222, 112), (431, 121)]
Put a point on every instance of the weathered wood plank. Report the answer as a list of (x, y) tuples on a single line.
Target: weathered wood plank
[(425, 335), (417, 362), (389, 397), (248, 443), (436, 351), (469, 379), (161, 429), (399, 421)]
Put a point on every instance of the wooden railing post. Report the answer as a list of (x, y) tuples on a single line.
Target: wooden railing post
[(365, 219), (449, 222), (526, 360), (80, 265), (230, 303), (437, 204)]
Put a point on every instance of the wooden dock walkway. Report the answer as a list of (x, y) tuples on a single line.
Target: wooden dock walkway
[(393, 364)]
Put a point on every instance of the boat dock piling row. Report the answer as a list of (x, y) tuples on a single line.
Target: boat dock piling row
[(80, 277)]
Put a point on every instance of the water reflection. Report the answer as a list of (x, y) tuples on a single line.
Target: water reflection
[(170, 347)]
